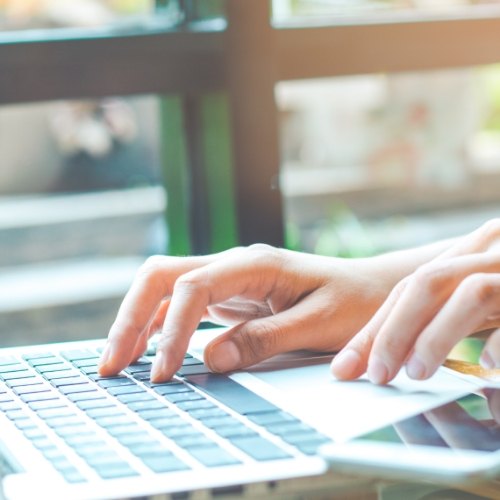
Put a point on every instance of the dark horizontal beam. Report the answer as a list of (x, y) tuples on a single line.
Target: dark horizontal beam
[(325, 51), (58, 67)]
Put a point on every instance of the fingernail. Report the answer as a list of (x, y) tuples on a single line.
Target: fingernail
[(345, 363), (224, 357), (486, 360), (377, 371), (415, 368), (159, 368)]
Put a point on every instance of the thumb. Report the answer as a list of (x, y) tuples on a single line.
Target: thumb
[(256, 340)]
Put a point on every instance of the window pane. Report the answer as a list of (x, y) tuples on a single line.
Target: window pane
[(81, 205), (314, 9), (372, 163), (22, 14)]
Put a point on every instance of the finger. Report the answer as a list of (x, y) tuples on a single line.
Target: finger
[(301, 326), (479, 240), (476, 298), (490, 357), (153, 282), (352, 360), (251, 274), (427, 291)]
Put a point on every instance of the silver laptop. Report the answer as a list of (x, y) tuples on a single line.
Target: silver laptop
[(66, 432)]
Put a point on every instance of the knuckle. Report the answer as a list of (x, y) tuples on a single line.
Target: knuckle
[(263, 255), (428, 278), (478, 288), (489, 231), (189, 282), (258, 342), (152, 264)]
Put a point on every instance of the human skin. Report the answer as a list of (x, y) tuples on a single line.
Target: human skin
[(274, 300), (428, 312)]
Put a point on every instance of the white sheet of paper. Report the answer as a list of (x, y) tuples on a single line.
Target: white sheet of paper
[(340, 409)]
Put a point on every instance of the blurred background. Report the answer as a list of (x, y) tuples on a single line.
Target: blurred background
[(369, 163)]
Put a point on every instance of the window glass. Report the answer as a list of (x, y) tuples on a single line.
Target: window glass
[(314, 9), (377, 162), (81, 206), (29, 14)]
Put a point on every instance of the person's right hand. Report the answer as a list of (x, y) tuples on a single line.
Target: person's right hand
[(275, 300)]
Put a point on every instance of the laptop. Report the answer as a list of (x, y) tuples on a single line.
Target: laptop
[(66, 432)]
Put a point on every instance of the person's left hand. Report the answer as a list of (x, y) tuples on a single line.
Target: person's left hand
[(428, 312)]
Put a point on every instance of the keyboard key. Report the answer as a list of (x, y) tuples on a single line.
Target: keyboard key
[(8, 360), (139, 436), (193, 441), (75, 354), (182, 430), (146, 405), (115, 382), (74, 430), (81, 441), (105, 412), (51, 403), (198, 369), (34, 433), (43, 443), (65, 411), (17, 375), (25, 424), (183, 396), (73, 476), (151, 448), (259, 448), (203, 413), (70, 421), (287, 428), (270, 417), (31, 389), (18, 367), (74, 380), (164, 464), (17, 414), (5, 398), (220, 421), (89, 370), (116, 471), (114, 421), (95, 403), (232, 431), (50, 360), (23, 381), (151, 414), (126, 389), (9, 405), (135, 397), (195, 405), (86, 362), (120, 430), (76, 388), (170, 388), (85, 396), (56, 367), (191, 362), (213, 456), (62, 373), (138, 368), (39, 396), (37, 355)]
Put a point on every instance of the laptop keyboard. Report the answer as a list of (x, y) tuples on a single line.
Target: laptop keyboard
[(126, 426)]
